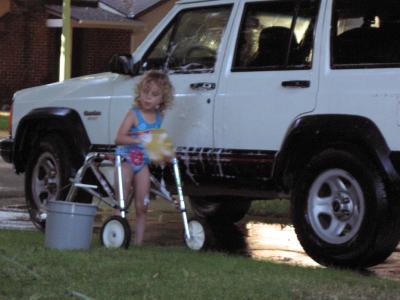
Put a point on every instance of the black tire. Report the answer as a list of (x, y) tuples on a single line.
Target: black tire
[(228, 238), (223, 237), (219, 209), (115, 233), (47, 176), (342, 213)]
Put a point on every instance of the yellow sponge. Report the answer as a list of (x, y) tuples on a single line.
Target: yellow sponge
[(159, 146)]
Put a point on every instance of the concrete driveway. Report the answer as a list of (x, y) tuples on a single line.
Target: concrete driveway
[(11, 184), (13, 212)]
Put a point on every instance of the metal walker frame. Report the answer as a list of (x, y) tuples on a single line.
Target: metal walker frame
[(94, 160)]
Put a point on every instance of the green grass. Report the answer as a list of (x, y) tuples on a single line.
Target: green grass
[(3, 121), (30, 271)]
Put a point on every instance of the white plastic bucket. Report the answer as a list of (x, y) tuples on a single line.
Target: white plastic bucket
[(69, 225)]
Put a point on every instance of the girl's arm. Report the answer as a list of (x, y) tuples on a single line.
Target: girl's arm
[(123, 137)]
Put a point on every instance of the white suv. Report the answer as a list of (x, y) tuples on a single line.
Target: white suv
[(297, 98)]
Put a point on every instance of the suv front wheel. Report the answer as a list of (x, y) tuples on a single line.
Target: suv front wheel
[(47, 176), (342, 212)]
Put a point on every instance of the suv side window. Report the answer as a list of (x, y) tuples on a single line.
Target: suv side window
[(190, 43), (276, 35), (365, 34)]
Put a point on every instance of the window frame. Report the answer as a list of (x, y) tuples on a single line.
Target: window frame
[(296, 3), (352, 66)]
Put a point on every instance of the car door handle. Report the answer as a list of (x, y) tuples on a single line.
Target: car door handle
[(296, 83), (204, 86)]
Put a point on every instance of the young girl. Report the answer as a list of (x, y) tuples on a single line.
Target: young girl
[(153, 95)]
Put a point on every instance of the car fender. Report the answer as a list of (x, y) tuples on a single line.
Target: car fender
[(48, 120), (309, 135)]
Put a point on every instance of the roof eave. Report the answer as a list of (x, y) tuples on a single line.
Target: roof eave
[(131, 26)]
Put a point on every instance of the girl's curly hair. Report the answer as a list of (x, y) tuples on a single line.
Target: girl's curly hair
[(161, 79)]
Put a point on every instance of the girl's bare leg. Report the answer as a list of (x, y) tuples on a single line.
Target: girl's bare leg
[(142, 188)]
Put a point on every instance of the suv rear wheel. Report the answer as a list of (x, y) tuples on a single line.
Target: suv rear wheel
[(220, 209), (342, 212)]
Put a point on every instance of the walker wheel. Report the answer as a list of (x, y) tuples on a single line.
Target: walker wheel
[(200, 235), (115, 233)]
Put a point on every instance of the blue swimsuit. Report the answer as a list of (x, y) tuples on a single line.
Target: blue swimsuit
[(135, 154)]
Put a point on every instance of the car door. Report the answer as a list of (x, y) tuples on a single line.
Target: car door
[(189, 48), (269, 78)]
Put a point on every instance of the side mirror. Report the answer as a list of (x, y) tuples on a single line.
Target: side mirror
[(123, 64)]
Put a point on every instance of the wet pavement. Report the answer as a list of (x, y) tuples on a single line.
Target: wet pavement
[(15, 219), (13, 213), (252, 237)]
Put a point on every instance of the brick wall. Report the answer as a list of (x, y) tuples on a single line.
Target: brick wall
[(93, 49), (29, 51)]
